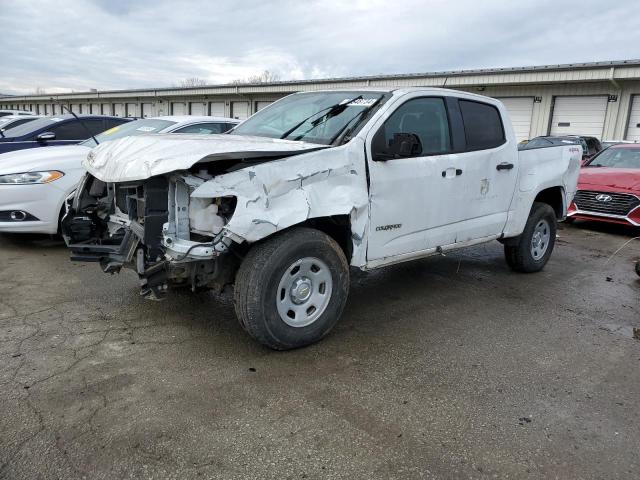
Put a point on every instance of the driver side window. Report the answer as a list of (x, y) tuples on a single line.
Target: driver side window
[(421, 120)]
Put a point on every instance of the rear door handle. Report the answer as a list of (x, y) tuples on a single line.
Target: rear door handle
[(449, 172), (504, 166)]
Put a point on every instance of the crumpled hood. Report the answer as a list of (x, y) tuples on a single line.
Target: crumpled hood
[(616, 178), (43, 158), (145, 156)]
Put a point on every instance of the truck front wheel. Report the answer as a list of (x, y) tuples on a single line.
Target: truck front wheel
[(291, 288), (533, 248)]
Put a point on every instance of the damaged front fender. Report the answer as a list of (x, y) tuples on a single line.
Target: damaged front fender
[(281, 193)]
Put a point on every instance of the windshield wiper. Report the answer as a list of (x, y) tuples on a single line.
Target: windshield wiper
[(332, 111)]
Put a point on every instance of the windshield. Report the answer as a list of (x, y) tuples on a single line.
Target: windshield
[(29, 127), (617, 158), (130, 129), (312, 117)]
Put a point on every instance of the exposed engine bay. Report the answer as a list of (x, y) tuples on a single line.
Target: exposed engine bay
[(153, 227), (188, 219)]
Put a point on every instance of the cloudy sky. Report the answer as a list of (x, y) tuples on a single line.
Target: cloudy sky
[(113, 44)]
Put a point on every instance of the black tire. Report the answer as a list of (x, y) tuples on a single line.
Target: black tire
[(519, 255), (259, 276)]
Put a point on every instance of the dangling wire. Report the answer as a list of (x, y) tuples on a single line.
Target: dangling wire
[(624, 245)]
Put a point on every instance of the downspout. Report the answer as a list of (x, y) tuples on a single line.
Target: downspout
[(612, 78), (613, 81)]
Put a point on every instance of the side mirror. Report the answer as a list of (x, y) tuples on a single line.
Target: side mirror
[(45, 137), (405, 145)]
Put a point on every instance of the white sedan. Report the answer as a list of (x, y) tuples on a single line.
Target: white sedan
[(10, 121), (34, 183)]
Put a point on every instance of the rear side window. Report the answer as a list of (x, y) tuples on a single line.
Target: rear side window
[(74, 130), (482, 125)]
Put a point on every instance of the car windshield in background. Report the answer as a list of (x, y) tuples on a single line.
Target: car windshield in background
[(27, 128), (312, 117), (617, 158), (137, 127)]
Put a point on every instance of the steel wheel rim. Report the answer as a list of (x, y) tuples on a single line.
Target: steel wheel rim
[(304, 292), (540, 239)]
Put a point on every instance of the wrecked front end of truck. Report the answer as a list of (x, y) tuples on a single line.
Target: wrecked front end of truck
[(152, 227), (184, 212)]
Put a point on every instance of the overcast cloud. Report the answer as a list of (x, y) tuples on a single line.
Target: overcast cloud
[(112, 44)]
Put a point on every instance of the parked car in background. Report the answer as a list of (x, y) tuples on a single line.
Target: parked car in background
[(590, 145), (56, 131), (34, 183), (4, 113), (12, 121), (311, 184), (609, 187)]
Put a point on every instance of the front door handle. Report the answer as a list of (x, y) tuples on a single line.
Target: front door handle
[(504, 166)]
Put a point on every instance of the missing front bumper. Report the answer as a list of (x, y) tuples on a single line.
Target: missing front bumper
[(143, 227)]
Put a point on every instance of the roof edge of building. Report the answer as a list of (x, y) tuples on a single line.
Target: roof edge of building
[(437, 74)]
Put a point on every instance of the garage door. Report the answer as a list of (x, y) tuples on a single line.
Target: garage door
[(118, 109), (216, 109), (197, 108), (178, 108), (633, 130), (147, 110), (520, 111), (132, 109), (578, 116), (240, 110), (261, 105)]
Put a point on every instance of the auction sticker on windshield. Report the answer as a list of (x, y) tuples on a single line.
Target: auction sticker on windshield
[(362, 102)]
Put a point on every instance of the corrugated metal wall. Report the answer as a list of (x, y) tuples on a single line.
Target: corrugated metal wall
[(544, 88)]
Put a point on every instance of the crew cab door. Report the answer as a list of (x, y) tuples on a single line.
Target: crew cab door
[(455, 187), (405, 180), (487, 164)]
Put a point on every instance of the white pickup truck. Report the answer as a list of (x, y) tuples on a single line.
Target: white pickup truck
[(282, 205)]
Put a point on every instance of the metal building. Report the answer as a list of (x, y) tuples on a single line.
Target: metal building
[(600, 99)]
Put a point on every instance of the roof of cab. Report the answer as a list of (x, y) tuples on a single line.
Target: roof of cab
[(405, 90)]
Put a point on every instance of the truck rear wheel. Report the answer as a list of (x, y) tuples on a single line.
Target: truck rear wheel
[(534, 246), (291, 288)]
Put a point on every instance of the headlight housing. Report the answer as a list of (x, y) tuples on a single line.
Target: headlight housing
[(29, 178)]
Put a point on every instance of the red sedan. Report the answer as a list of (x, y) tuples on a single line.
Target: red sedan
[(609, 187)]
